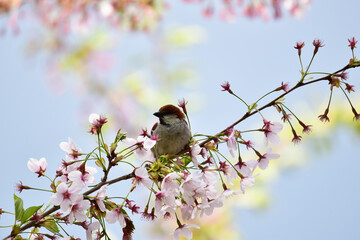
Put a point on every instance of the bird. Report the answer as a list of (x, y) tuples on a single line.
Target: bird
[(172, 131)]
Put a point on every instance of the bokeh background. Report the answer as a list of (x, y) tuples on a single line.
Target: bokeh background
[(51, 82)]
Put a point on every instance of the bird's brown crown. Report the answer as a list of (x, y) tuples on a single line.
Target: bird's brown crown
[(171, 109)]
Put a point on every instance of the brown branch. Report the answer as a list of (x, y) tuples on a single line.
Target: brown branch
[(271, 103)]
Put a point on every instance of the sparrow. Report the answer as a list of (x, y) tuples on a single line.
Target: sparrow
[(172, 130)]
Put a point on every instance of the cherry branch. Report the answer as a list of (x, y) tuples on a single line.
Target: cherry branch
[(271, 103)]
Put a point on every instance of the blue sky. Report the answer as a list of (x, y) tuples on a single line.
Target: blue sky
[(317, 201)]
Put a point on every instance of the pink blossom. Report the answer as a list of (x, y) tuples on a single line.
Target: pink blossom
[(207, 206), (228, 14), (100, 197), (184, 231), (195, 150), (170, 183), (263, 160), (208, 12), (143, 146), (231, 142), (271, 131), (182, 103), (193, 187), (66, 196), (209, 176), (141, 176), (37, 166), (90, 228), (297, 7), (188, 212), (229, 171), (247, 181), (96, 121), (83, 175), (72, 151), (244, 168), (66, 168), (77, 211), (167, 198), (116, 215)]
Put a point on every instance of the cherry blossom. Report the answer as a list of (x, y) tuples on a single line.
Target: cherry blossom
[(192, 188), (195, 150), (245, 168), (141, 176), (170, 183), (72, 151), (37, 166), (116, 215), (96, 121), (271, 131), (66, 168), (90, 228), (182, 103), (166, 199), (144, 146), (247, 181), (263, 160), (66, 196), (231, 142), (100, 197), (184, 231), (77, 210), (229, 171), (188, 212), (82, 175)]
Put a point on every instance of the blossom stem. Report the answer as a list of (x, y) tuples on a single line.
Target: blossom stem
[(307, 69), (240, 99), (265, 96), (188, 120), (39, 189), (331, 92), (301, 64), (222, 180), (62, 229), (347, 97), (283, 105), (239, 174)]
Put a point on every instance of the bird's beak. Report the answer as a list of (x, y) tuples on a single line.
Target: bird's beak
[(159, 114)]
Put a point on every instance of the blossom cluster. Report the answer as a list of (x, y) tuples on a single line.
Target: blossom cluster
[(70, 16), (229, 10), (182, 188)]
